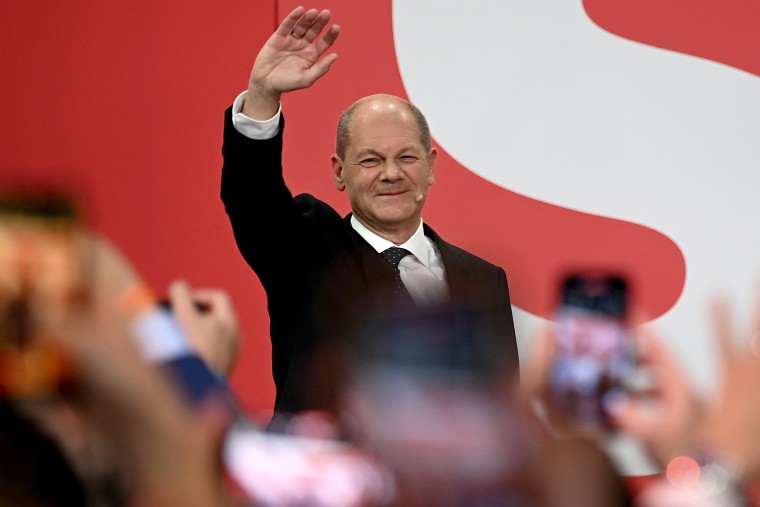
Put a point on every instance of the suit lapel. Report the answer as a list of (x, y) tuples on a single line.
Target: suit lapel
[(376, 272), (457, 274), (374, 269)]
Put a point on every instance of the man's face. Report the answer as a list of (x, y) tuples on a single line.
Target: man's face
[(386, 170)]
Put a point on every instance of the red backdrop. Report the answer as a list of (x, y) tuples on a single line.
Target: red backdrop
[(125, 101)]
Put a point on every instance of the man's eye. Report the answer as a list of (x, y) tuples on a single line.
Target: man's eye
[(369, 162), (408, 159)]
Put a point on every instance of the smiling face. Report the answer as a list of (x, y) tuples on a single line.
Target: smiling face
[(385, 169)]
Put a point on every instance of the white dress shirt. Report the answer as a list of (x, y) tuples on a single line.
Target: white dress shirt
[(422, 272), (254, 129)]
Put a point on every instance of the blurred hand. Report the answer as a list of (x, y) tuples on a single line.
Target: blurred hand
[(115, 288), (535, 387), (733, 417), (664, 419), (214, 332), (172, 454)]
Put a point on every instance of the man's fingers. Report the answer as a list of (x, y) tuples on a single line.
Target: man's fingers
[(303, 24), (294, 58), (320, 68), (316, 26), (327, 40), (290, 21)]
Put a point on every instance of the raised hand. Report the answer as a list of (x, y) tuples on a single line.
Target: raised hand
[(291, 59), (733, 417)]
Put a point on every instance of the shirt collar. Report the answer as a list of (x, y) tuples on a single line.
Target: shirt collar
[(418, 244)]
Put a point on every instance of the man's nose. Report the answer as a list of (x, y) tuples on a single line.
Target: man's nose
[(392, 171)]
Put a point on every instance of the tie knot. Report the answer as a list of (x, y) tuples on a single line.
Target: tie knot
[(394, 255)]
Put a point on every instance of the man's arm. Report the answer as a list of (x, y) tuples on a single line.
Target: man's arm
[(269, 228)]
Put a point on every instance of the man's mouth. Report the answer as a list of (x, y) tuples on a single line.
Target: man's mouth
[(392, 193)]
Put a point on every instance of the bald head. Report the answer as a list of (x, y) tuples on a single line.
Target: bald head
[(378, 103)]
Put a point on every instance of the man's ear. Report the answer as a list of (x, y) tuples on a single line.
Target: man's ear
[(432, 159), (337, 167)]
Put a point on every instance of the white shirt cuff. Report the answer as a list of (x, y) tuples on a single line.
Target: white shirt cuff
[(251, 128)]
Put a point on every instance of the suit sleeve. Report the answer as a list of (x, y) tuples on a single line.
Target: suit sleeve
[(270, 230), (506, 323)]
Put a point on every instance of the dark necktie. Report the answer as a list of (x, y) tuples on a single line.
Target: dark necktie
[(394, 255)]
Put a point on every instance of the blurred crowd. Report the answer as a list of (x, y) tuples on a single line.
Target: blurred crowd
[(113, 397)]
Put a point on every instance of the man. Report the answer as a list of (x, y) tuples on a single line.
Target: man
[(323, 274)]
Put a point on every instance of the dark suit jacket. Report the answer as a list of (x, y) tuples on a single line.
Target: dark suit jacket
[(320, 275)]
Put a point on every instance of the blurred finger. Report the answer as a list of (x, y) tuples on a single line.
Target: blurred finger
[(181, 298), (654, 352), (539, 361), (632, 415), (722, 332), (211, 297), (217, 301), (666, 377), (755, 331)]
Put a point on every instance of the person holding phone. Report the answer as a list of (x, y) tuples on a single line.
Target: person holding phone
[(706, 443), (323, 272)]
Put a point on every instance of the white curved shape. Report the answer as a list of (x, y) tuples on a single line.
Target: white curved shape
[(533, 96)]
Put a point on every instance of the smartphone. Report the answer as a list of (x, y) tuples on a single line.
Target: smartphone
[(283, 470), (595, 357)]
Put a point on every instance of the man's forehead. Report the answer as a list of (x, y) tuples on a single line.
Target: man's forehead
[(385, 135), (384, 118), (383, 147), (383, 124), (383, 114)]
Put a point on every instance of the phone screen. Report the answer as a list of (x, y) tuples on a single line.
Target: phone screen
[(279, 470), (594, 357)]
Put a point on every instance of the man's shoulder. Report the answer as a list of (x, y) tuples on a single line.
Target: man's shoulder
[(315, 208), (451, 252), (470, 260), (325, 221)]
